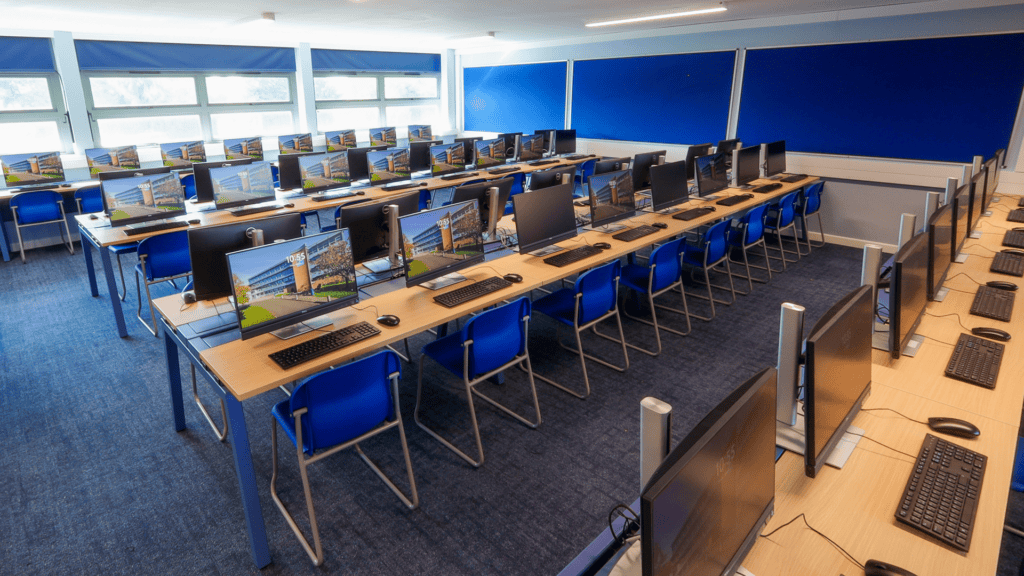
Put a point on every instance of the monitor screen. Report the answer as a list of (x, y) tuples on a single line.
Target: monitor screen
[(977, 199), (242, 148), (544, 217), (368, 225), (383, 137), (320, 172), (611, 197), (183, 154), (480, 193), (511, 144), (552, 177), (338, 140), (467, 144), (613, 165), (668, 185), (909, 292), (642, 168), (531, 148), (391, 165), (109, 159), (288, 170), (547, 135), (208, 249), (277, 285), (712, 175), (692, 152), (357, 165), (961, 214), (748, 165), (204, 186), (143, 198), (704, 506), (103, 176), (489, 153), (990, 181), (838, 374), (295, 143), (447, 158), (30, 169), (420, 133), (419, 154), (565, 141), (440, 241), (940, 242), (775, 158), (241, 185), (726, 147)]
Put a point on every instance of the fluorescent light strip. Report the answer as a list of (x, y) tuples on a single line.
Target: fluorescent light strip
[(658, 17)]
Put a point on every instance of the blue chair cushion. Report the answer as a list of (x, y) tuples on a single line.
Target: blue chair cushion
[(121, 249), (693, 255), (448, 352), (35, 207), (560, 305), (636, 277)]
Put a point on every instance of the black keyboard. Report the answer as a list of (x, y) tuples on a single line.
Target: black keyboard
[(693, 213), (576, 157), (390, 187), (768, 188), (1015, 215), (1020, 203), (321, 345), (571, 256), (542, 162), (975, 361), (155, 228), (326, 197), (471, 292), (941, 496), (255, 210), (993, 303), (734, 200), (460, 176), (635, 233), (1014, 239), (504, 170), (793, 178), (1011, 264)]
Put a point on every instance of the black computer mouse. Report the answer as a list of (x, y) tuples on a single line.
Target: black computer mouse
[(876, 568), (1002, 285), (188, 297), (1018, 228), (991, 333), (194, 222), (93, 217), (954, 427), (289, 205), (389, 320), (1014, 252), (361, 193), (65, 186), (661, 225), (513, 278), (602, 245)]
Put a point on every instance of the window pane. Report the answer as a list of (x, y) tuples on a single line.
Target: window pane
[(245, 124), (345, 118), (398, 87), (24, 94), (345, 88), (405, 115), (243, 89), (148, 130), (27, 137), (149, 91)]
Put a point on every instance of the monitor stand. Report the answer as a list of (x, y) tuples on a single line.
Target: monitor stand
[(793, 438), (293, 193), (711, 198), (880, 341), (444, 281), (378, 266), (607, 228), (546, 250), (977, 233), (961, 258), (303, 327)]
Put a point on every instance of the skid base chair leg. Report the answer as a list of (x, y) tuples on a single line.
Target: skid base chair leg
[(783, 253), (710, 298), (749, 277), (584, 356), (221, 433), (807, 232), (685, 312)]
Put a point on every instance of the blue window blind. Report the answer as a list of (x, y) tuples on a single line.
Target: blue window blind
[(517, 98), (674, 99), (147, 56), (944, 99), (363, 61), (25, 55)]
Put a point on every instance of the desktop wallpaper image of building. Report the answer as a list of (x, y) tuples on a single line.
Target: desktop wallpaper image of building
[(182, 154), (437, 238), (324, 170), (295, 143), (383, 137), (388, 165), (241, 183), (340, 140), (30, 168), (613, 193), (448, 157), (241, 148), (144, 196), (112, 159)]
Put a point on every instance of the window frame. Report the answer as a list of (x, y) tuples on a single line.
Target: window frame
[(381, 102), (57, 112)]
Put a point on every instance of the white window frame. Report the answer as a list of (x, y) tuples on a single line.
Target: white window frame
[(380, 102), (56, 113)]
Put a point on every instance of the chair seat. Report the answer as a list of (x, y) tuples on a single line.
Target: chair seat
[(636, 277), (120, 249), (37, 213), (560, 306), (448, 352)]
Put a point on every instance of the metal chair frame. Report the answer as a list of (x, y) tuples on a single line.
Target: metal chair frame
[(710, 298), (803, 215), (749, 277), (62, 220), (777, 232), (155, 329), (651, 295)]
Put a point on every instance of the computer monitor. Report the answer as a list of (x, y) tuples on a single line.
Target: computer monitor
[(611, 197), (552, 177), (208, 249), (369, 228), (183, 154), (712, 175), (386, 136), (999, 160), (201, 171), (285, 283), (339, 140), (549, 138), (940, 243), (642, 168), (511, 143), (489, 153), (727, 145), (991, 170), (467, 144), (837, 374), (704, 506), (103, 176), (565, 141), (440, 241), (692, 152), (288, 171), (530, 148), (748, 165), (293, 143), (109, 159), (447, 159), (977, 199), (544, 217), (611, 165), (319, 172), (668, 185), (419, 154), (242, 148), (961, 216), (357, 165), (775, 158), (420, 133), (386, 166), (32, 169), (481, 193), (143, 198), (240, 185), (908, 293)]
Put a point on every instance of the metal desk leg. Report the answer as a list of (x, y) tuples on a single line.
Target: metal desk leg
[(247, 482), (174, 377), (4, 246), (115, 300), (87, 246)]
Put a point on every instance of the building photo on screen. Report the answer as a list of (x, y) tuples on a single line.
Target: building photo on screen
[(183, 154), (438, 238), (239, 148)]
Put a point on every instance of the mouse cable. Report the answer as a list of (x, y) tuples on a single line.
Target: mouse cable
[(964, 274), (993, 225), (985, 256), (958, 320), (937, 340), (367, 307), (983, 248), (490, 268), (813, 529), (633, 517), (883, 445), (895, 412)]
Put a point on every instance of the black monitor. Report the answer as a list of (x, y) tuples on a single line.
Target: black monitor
[(544, 217), (552, 177), (977, 199), (642, 168), (294, 143), (242, 148), (549, 136), (511, 143), (692, 152), (324, 171), (357, 166), (704, 506), (530, 148), (467, 144), (447, 159), (908, 294), (419, 154), (32, 169), (565, 141), (611, 165), (386, 136), (712, 175), (208, 249), (480, 193), (726, 147), (489, 153), (991, 170), (112, 159), (668, 185), (420, 133), (339, 140), (103, 176), (143, 198), (440, 241), (386, 166), (611, 197), (240, 185), (961, 215), (837, 374), (201, 171), (183, 154), (288, 170), (368, 225), (775, 158), (748, 165), (277, 285), (940, 243)]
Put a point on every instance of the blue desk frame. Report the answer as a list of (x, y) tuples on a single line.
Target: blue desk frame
[(88, 243)]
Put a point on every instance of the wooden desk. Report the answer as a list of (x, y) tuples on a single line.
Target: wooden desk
[(66, 190)]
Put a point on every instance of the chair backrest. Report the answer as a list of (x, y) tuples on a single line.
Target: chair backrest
[(188, 182), (166, 255), (39, 206), (812, 198), (518, 187), (786, 211), (347, 401), (753, 224), (498, 336), (665, 262), (275, 173), (89, 200), (597, 288), (587, 169), (715, 247)]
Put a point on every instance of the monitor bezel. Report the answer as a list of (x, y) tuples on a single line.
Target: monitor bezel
[(119, 174)]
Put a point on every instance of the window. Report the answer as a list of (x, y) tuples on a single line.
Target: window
[(142, 91), (24, 94), (346, 101), (32, 114), (242, 124), (345, 88), (246, 89), (149, 129), (405, 87)]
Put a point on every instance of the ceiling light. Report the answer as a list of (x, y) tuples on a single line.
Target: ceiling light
[(658, 17), (473, 37)]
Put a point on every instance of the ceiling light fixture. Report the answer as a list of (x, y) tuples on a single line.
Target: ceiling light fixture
[(473, 37), (658, 17)]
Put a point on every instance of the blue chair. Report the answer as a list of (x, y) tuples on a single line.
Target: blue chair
[(782, 216), (38, 208), (518, 187), (275, 173), (162, 258), (89, 200), (709, 251), (592, 299), (335, 410), (807, 205), (662, 273), (583, 174), (743, 235), (491, 342), (188, 183), (315, 213)]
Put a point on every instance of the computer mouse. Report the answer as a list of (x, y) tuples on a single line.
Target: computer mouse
[(602, 245), (188, 297), (65, 186), (954, 427), (1014, 252), (194, 222), (991, 333), (389, 320), (1002, 285), (661, 225), (1018, 228), (513, 278), (361, 193), (711, 208), (876, 568), (93, 217)]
